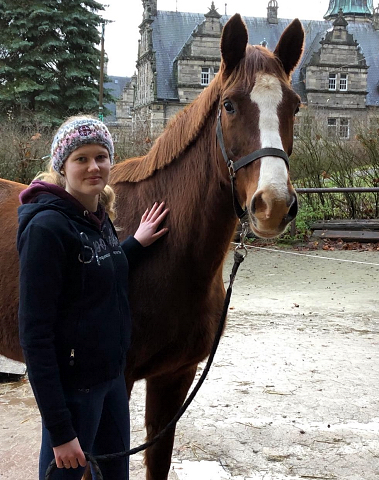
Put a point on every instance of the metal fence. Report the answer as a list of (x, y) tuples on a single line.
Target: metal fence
[(331, 190)]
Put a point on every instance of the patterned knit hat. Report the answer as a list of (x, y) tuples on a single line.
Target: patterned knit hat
[(72, 135)]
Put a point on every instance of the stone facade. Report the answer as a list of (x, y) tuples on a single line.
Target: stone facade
[(125, 103), (179, 55), (336, 75), (199, 60), (336, 82)]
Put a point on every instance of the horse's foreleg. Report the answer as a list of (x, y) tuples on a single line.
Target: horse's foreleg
[(164, 397)]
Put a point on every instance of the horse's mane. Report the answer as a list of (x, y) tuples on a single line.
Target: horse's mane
[(179, 133), (183, 129)]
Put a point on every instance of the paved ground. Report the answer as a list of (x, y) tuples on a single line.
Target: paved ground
[(294, 390)]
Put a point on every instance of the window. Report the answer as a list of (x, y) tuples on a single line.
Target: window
[(343, 81), (340, 127), (205, 75), (332, 81), (302, 126), (215, 70), (332, 127), (344, 128)]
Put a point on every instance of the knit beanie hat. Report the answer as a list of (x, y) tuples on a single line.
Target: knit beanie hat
[(76, 133)]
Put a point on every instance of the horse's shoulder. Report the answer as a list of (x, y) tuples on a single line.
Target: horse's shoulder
[(10, 190)]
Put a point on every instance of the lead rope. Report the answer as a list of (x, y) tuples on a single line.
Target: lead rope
[(93, 460)]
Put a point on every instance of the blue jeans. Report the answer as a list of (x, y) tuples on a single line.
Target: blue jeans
[(100, 417)]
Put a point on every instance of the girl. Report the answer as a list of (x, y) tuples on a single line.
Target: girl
[(74, 315)]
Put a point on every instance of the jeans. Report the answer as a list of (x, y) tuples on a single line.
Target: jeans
[(100, 417)]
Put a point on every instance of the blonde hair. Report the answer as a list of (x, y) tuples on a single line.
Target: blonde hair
[(107, 196)]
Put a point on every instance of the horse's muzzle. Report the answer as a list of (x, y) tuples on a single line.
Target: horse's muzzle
[(270, 216)]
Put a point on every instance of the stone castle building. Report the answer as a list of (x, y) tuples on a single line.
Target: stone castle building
[(179, 55)]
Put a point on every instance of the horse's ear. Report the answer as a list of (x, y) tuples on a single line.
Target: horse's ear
[(290, 46), (233, 42)]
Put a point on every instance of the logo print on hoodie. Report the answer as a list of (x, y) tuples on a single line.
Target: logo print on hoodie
[(100, 246)]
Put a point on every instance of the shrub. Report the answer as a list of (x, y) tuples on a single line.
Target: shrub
[(23, 151)]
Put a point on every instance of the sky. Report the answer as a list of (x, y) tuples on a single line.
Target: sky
[(121, 36)]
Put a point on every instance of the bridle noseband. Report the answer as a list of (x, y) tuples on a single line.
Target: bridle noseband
[(233, 167)]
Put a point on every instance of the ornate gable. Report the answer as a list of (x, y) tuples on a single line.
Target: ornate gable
[(336, 75), (198, 61)]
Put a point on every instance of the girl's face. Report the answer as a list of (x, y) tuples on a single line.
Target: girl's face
[(86, 172)]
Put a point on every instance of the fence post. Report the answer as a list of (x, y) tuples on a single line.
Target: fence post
[(293, 227)]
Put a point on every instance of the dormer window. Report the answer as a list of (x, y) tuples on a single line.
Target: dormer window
[(208, 74), (338, 80), (205, 75), (343, 81), (332, 81)]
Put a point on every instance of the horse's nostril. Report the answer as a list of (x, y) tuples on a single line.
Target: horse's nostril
[(253, 205), (257, 202), (292, 212)]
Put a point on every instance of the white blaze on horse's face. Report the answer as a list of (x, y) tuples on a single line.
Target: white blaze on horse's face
[(272, 198), (267, 94)]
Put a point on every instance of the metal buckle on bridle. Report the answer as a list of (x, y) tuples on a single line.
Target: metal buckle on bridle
[(243, 235)]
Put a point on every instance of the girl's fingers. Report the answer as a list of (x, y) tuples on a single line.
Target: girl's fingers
[(159, 234), (155, 212), (149, 213), (144, 216), (160, 218)]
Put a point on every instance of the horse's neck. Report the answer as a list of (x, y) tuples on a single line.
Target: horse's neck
[(201, 199)]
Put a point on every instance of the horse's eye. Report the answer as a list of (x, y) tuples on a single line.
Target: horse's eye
[(228, 106)]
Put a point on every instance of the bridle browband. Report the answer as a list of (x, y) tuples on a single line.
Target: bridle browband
[(233, 167)]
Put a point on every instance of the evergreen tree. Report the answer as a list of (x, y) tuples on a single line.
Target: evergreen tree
[(49, 62)]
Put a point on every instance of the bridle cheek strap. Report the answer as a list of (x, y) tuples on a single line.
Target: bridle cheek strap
[(233, 167)]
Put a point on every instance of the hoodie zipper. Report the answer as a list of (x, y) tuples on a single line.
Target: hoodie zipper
[(72, 358)]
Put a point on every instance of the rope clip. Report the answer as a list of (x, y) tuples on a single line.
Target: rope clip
[(243, 234)]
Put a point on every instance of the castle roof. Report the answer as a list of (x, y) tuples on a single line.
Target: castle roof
[(172, 30), (115, 86)]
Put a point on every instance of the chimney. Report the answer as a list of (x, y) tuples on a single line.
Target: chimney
[(272, 12)]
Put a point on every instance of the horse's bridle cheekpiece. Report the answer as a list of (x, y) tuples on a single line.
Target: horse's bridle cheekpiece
[(233, 167)]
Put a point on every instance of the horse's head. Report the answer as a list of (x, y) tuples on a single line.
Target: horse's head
[(255, 123)]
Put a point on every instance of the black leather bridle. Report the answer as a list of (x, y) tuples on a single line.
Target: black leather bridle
[(233, 167)]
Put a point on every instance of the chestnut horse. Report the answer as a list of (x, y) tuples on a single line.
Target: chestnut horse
[(176, 291)]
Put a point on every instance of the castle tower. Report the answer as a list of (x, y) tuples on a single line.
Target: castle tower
[(149, 8), (375, 18), (354, 10)]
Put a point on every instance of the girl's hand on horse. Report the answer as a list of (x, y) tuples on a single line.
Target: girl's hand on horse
[(147, 232), (69, 455)]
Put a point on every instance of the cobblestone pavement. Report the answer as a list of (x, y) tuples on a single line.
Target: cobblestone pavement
[(294, 389)]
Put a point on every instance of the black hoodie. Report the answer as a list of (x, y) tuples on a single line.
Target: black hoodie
[(74, 315)]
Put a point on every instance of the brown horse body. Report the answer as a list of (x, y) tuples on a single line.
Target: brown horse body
[(176, 291)]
